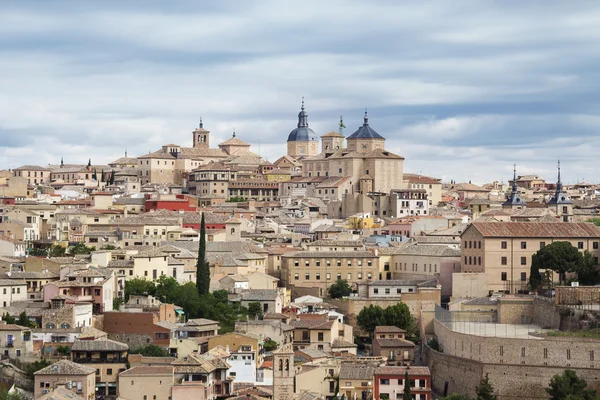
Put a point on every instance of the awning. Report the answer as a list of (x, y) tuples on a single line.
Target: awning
[(179, 311)]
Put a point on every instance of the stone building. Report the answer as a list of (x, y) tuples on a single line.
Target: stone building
[(503, 250), (283, 374), (78, 378), (302, 141)]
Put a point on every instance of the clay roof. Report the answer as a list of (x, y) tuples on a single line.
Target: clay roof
[(356, 371), (99, 345), (389, 329), (412, 370), (422, 179), (65, 367), (536, 229), (394, 343), (311, 324), (148, 371)]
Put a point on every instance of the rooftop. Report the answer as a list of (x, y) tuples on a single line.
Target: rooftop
[(66, 367)]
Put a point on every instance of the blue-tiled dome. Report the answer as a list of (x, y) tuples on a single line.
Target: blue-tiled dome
[(302, 133), (365, 131)]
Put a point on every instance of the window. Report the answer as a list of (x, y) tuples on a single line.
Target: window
[(592, 355), (318, 277), (523, 245), (501, 350), (568, 354), (307, 277), (522, 351), (503, 276), (384, 381), (320, 336), (503, 260), (545, 353), (296, 276), (580, 245), (523, 276), (109, 371), (595, 245), (376, 291), (504, 245), (523, 260)]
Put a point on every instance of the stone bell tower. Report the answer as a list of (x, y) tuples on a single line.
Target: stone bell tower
[(201, 136), (283, 373)]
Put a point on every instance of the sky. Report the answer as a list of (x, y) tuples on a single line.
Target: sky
[(461, 89)]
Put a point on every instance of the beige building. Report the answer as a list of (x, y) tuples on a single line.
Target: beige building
[(34, 174), (302, 141), (107, 357), (12, 290), (318, 331), (15, 340), (321, 269), (370, 167), (432, 186), (503, 250), (146, 382), (77, 378), (14, 186)]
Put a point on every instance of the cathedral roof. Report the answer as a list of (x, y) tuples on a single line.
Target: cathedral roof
[(302, 133), (365, 131)]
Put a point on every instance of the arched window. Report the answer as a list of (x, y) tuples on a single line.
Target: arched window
[(50, 325), (281, 365), (65, 325), (232, 231), (287, 365)]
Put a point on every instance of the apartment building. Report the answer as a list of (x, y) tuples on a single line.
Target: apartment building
[(503, 250), (389, 382), (15, 340), (320, 332), (78, 378)]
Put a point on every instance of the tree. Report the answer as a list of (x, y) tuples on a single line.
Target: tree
[(166, 287), (5, 395), (109, 247), (111, 180), (150, 350), (34, 367), (595, 221), (569, 386), (254, 309), (456, 396), (56, 251), (202, 267), (406, 395), (399, 315), (63, 350), (535, 277), (81, 248), (139, 287), (95, 175), (270, 345), (485, 390), (102, 178), (25, 321), (396, 315), (587, 273), (560, 257), (9, 319), (117, 301), (340, 289), (191, 302), (38, 252)]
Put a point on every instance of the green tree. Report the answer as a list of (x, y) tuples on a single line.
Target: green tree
[(102, 178), (587, 273), (340, 289), (221, 296), (38, 252), (117, 301), (560, 257), (34, 367), (111, 180), (9, 319), (399, 315), (595, 221), (81, 248), (370, 317), (63, 350), (25, 321), (166, 287), (485, 390), (139, 287), (568, 386), (191, 302), (5, 395), (456, 396), (255, 309), (95, 175), (56, 251), (535, 277), (270, 345), (150, 350), (109, 247), (202, 267), (406, 395)]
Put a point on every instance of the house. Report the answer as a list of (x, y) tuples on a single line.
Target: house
[(11, 247), (270, 299), (246, 354), (138, 329), (78, 378), (201, 376), (15, 340), (319, 332), (107, 357), (356, 379), (94, 285), (192, 337), (35, 280), (397, 351), (146, 382), (275, 330), (390, 382), (12, 290)]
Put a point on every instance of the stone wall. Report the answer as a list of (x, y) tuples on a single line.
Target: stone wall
[(134, 341), (545, 313), (574, 295), (451, 374), (515, 310)]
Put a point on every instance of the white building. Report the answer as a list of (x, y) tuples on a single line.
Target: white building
[(12, 290), (409, 202), (243, 365)]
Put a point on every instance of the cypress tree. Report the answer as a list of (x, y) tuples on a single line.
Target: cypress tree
[(202, 268), (406, 394)]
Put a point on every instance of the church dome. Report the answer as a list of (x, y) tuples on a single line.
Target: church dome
[(302, 133)]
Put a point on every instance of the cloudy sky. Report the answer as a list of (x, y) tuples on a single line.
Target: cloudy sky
[(461, 89)]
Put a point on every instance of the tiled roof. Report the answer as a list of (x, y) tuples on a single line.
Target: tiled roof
[(31, 168), (148, 371), (389, 329), (356, 371), (33, 275), (311, 324), (421, 179), (394, 343), (536, 229), (65, 367), (341, 243), (11, 327), (12, 282), (339, 343), (400, 371), (99, 345), (259, 294)]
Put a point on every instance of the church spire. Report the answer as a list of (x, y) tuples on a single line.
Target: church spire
[(514, 199), (514, 185), (233, 131), (366, 119), (201, 124), (558, 182), (302, 117)]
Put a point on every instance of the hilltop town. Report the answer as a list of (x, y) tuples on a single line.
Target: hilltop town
[(207, 272)]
